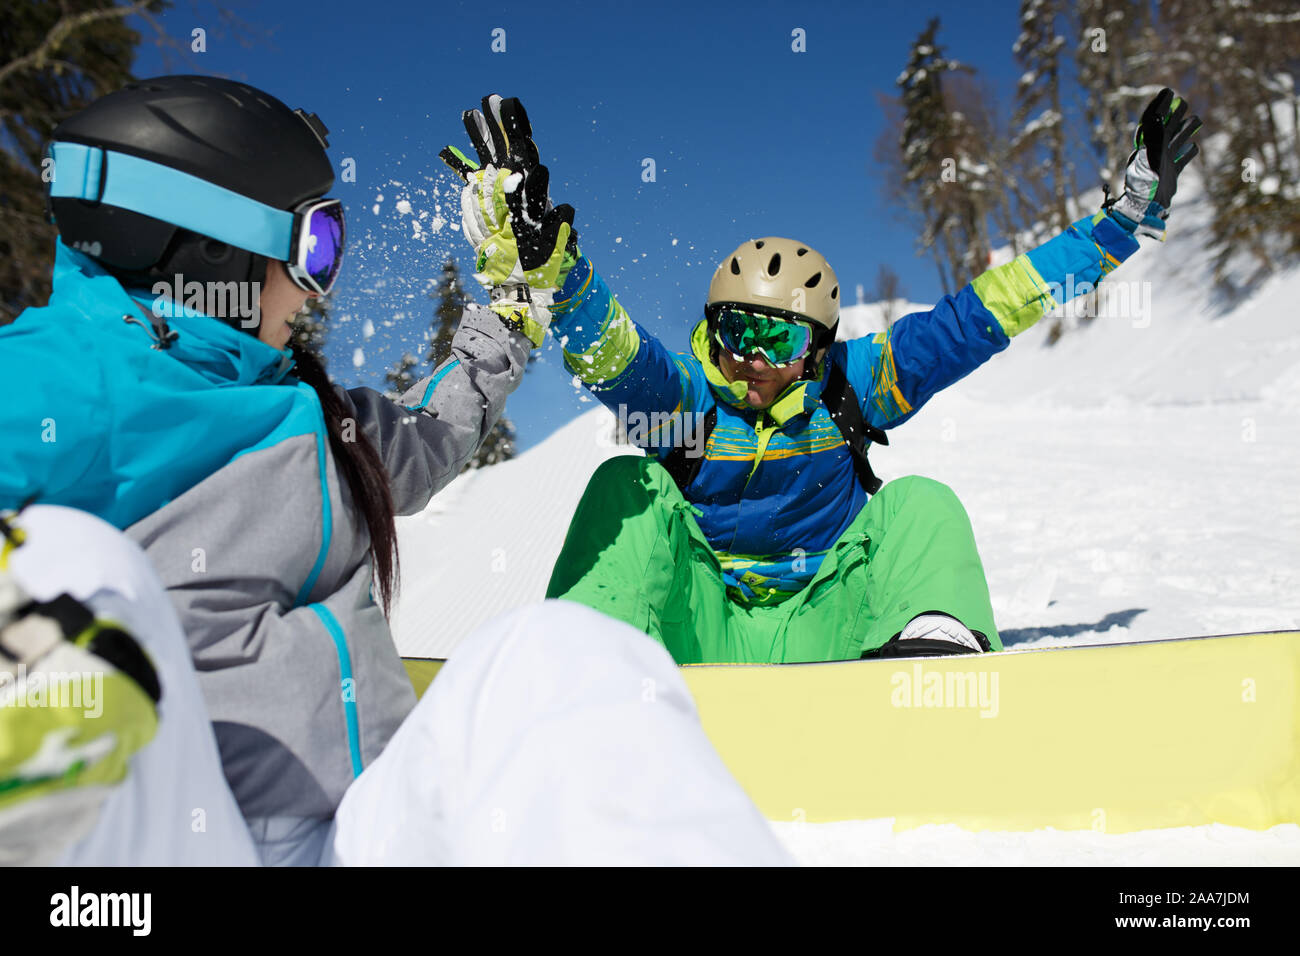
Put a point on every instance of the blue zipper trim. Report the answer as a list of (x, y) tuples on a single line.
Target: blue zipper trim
[(345, 674), (327, 507), (428, 392)]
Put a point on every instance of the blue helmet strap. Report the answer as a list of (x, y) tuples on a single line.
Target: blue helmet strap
[(161, 192)]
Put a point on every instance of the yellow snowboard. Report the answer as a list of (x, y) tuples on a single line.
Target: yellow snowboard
[(1110, 737)]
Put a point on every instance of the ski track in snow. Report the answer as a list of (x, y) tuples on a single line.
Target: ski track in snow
[(1136, 481)]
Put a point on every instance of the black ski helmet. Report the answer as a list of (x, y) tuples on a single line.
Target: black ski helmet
[(227, 133)]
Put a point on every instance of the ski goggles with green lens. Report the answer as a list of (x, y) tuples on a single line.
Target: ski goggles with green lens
[(778, 341)]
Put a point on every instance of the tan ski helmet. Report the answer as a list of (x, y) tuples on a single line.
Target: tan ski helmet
[(779, 275)]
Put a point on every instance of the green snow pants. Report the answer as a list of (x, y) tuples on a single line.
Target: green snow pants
[(634, 551)]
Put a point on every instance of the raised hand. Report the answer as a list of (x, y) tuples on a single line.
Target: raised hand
[(1162, 148), (520, 237)]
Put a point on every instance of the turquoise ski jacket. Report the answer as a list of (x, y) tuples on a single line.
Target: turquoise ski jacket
[(215, 459)]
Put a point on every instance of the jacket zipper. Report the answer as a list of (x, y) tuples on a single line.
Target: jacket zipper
[(764, 436)]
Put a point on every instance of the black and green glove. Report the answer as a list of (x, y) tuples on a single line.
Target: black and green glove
[(523, 243), (1162, 149)]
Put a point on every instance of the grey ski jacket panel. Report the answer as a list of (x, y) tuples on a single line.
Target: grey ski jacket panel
[(295, 659), (426, 450)]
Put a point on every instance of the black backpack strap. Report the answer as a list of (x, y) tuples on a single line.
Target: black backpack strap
[(685, 469), (842, 402)]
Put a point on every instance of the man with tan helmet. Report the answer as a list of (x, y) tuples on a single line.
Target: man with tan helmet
[(754, 530), (766, 547)]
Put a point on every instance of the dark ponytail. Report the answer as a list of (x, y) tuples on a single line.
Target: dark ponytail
[(367, 479)]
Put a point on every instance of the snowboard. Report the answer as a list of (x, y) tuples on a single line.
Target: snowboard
[(1106, 737)]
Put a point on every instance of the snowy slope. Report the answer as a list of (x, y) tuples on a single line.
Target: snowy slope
[(1137, 480), (488, 541)]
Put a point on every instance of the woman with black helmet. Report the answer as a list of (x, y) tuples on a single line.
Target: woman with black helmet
[(151, 395)]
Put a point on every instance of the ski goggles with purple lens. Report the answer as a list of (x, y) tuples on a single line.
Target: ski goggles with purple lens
[(318, 240), (779, 341)]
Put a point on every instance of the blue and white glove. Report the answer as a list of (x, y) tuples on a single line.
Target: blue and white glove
[(1163, 146)]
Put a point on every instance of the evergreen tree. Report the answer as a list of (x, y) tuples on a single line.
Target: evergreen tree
[(55, 59), (311, 327), (400, 377), (944, 171), (1119, 71), (1039, 143), (499, 445), (1241, 75), (452, 297), (1119, 60), (889, 289), (987, 166)]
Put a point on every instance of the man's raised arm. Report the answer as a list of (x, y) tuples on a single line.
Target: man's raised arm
[(899, 370)]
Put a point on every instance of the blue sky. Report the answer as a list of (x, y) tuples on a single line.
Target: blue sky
[(749, 138)]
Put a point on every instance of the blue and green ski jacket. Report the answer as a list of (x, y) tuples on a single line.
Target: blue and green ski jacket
[(777, 486)]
